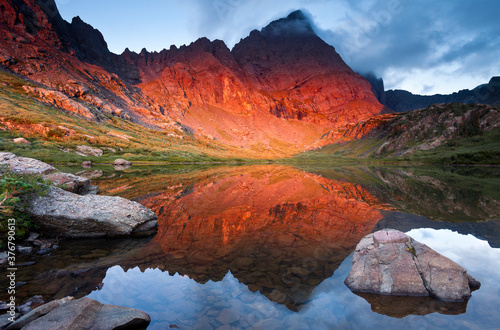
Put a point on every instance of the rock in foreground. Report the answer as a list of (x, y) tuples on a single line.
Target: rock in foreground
[(66, 214), (84, 313), (390, 262)]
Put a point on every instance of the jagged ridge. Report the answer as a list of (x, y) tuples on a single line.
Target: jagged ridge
[(277, 92)]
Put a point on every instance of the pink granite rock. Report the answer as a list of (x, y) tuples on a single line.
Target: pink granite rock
[(390, 262)]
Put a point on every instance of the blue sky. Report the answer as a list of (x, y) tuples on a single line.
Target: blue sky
[(424, 46)]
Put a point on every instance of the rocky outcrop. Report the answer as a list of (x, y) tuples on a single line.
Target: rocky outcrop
[(391, 263), (84, 313), (283, 73), (60, 100), (65, 214), (404, 133)]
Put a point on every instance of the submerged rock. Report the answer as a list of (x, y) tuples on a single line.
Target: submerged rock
[(390, 262), (67, 214)]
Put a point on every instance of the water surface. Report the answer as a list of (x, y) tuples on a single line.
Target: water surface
[(270, 246)]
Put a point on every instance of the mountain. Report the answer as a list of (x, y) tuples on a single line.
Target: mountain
[(401, 100), (276, 93)]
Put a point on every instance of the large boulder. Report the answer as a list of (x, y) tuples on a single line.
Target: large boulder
[(66, 214), (25, 165), (390, 262), (84, 313), (88, 151)]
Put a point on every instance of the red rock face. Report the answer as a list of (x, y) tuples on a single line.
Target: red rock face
[(276, 93), (283, 72)]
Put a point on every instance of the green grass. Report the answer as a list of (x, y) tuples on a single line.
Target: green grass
[(15, 191), (480, 149), (468, 145)]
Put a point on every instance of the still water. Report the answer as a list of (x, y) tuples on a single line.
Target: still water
[(269, 247)]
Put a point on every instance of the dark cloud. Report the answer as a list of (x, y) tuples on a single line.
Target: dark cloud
[(422, 35)]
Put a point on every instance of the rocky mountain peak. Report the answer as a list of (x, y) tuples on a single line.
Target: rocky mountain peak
[(294, 25)]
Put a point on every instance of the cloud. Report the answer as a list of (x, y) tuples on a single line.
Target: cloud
[(446, 45), (426, 38)]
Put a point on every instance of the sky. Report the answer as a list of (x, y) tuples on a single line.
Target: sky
[(424, 46)]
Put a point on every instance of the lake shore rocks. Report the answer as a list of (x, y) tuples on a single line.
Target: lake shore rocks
[(390, 262), (76, 212), (25, 165), (121, 164), (65, 214), (83, 313)]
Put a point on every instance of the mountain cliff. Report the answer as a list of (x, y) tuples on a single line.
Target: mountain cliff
[(277, 92)]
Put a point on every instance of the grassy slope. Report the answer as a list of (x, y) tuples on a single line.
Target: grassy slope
[(474, 149), (38, 123), (29, 118)]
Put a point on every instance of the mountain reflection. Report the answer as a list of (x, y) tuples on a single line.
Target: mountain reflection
[(278, 230)]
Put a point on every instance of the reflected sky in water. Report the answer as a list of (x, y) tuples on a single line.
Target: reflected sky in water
[(270, 246), (172, 299)]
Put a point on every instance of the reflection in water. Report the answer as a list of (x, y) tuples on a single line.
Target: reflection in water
[(400, 306), (74, 269), (175, 299), (441, 194), (278, 230), (269, 247)]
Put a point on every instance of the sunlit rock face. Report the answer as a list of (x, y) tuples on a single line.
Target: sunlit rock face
[(278, 230), (283, 73), (278, 92)]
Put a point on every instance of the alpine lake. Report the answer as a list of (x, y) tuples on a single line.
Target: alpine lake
[(269, 246)]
